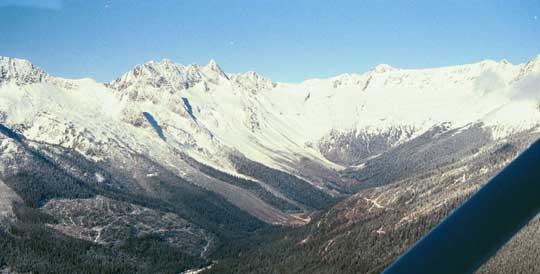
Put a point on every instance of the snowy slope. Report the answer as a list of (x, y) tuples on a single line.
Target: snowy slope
[(160, 108), (93, 120), (250, 113), (387, 97)]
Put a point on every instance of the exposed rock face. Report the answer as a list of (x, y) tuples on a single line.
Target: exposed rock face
[(351, 148), (252, 81), (19, 71), (152, 80)]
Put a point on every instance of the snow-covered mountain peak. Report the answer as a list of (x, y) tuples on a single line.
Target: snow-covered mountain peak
[(213, 72), (19, 70), (533, 65), (252, 81), (8, 61), (382, 68), (212, 65), (168, 76), (504, 62), (530, 68), (488, 62), (166, 61)]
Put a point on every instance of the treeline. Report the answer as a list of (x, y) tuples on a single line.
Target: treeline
[(249, 185), (290, 185), (436, 148)]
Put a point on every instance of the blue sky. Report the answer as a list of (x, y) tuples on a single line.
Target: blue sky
[(285, 40)]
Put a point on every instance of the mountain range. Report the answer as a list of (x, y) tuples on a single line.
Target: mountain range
[(236, 173)]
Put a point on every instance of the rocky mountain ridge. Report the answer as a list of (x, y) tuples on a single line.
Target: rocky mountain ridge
[(229, 155)]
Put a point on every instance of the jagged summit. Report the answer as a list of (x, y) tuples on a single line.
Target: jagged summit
[(212, 65), (213, 71), (252, 81), (533, 64), (169, 76), (536, 58), (10, 61), (531, 67), (19, 70)]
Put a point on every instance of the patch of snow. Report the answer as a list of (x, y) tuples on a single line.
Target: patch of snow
[(197, 271), (99, 178)]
